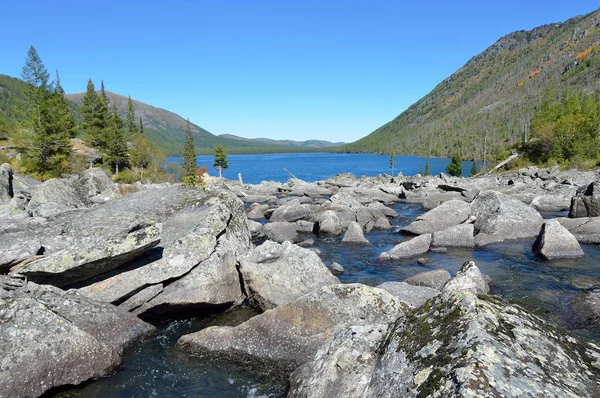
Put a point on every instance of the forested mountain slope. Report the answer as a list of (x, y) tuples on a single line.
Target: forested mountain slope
[(488, 103)]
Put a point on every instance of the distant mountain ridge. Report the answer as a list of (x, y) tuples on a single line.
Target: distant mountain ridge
[(488, 103), (305, 144)]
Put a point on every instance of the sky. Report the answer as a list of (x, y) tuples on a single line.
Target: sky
[(331, 70)]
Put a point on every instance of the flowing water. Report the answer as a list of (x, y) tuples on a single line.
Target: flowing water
[(157, 368)]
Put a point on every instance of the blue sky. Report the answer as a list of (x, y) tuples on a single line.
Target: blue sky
[(333, 70)]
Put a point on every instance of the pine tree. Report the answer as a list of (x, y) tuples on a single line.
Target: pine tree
[(141, 126), (427, 171), (392, 161), (63, 109), (220, 159), (115, 146), (130, 119), (49, 148), (103, 117), (189, 153), (474, 170), (455, 166)]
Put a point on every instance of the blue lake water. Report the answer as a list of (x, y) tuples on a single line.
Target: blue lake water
[(318, 166)]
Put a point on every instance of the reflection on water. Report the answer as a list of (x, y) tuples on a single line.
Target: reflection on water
[(155, 368)]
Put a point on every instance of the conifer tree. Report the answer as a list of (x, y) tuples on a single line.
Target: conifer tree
[(115, 148), (392, 161), (132, 129), (103, 116), (474, 170), (92, 125), (427, 171), (220, 159), (141, 126), (63, 109), (455, 166), (49, 147), (189, 153)]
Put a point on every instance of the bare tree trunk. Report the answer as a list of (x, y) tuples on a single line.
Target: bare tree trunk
[(511, 157)]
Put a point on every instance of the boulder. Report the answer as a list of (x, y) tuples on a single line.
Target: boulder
[(52, 338), (354, 234), (435, 279), (459, 343), (388, 212), (337, 269), (556, 199), (189, 238), (339, 367), (448, 214), (58, 195), (586, 202), (457, 236), (290, 212), (468, 278), (257, 212), (410, 248), (585, 229), (141, 297), (412, 296), (500, 218), (281, 232), (556, 242), (383, 224), (281, 339), (277, 274), (90, 257), (328, 223), (6, 183), (94, 181)]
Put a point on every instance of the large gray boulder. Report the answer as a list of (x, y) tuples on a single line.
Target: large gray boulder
[(189, 238), (277, 274), (52, 338), (56, 196), (95, 181), (499, 218), (291, 211), (585, 229), (448, 214), (6, 183), (469, 278), (90, 257), (586, 202), (556, 242), (281, 232), (460, 343), (354, 234), (457, 236), (556, 199), (435, 279), (281, 339), (410, 248), (328, 223)]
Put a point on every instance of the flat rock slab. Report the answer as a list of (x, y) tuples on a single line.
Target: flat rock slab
[(556, 242), (277, 274), (585, 229), (281, 339), (457, 236), (410, 248), (52, 338), (448, 214)]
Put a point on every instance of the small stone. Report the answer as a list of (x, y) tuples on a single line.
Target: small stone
[(337, 269)]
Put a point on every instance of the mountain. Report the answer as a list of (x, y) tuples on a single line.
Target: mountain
[(488, 103), (167, 130), (304, 144)]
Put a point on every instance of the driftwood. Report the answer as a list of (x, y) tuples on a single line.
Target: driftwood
[(511, 157), (293, 176)]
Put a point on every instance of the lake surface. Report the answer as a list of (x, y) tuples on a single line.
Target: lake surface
[(319, 166)]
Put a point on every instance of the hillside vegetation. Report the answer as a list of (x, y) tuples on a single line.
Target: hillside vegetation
[(487, 105)]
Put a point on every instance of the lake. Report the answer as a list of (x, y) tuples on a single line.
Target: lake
[(318, 166)]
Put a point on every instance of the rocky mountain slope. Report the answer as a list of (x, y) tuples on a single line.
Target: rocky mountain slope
[(488, 103)]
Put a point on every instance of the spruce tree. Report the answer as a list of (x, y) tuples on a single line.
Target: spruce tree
[(141, 126), (92, 125), (103, 117), (115, 149), (220, 159), (474, 170), (49, 147), (132, 129), (455, 166), (63, 109), (189, 153), (427, 171)]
